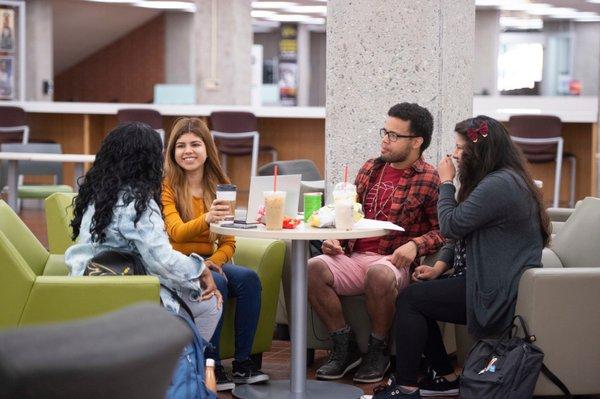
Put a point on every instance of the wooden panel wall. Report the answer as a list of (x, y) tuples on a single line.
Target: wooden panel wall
[(305, 138)]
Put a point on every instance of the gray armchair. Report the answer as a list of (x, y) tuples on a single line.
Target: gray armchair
[(559, 302), (126, 354)]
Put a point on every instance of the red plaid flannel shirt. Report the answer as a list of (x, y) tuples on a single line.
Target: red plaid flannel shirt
[(414, 207)]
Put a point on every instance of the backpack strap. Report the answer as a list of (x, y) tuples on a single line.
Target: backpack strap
[(181, 302), (552, 377)]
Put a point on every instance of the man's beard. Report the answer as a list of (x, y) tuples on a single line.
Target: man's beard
[(397, 157)]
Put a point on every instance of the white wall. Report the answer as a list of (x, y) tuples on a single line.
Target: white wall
[(485, 66)]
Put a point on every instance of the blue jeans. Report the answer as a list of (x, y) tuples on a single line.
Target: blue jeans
[(243, 284)]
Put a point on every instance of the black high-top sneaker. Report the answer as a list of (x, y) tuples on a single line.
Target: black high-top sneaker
[(224, 382), (375, 363), (344, 356)]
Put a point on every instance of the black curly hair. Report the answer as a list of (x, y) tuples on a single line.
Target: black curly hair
[(421, 121), (130, 158)]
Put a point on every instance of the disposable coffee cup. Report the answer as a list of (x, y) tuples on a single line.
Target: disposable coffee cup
[(228, 193)]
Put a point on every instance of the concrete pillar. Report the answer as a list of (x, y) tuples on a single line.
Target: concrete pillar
[(39, 50), (596, 131), (487, 40), (303, 60), (586, 56), (179, 48), (385, 52), (223, 41)]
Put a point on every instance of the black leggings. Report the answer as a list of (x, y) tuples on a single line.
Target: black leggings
[(418, 308)]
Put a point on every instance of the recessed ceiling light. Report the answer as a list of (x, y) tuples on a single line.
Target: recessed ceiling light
[(265, 5), (520, 6), (261, 13), (521, 23), (295, 18), (553, 11), (113, 1), (306, 9), (166, 5), (574, 15), (588, 19)]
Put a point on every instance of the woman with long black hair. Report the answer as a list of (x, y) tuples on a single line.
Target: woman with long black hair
[(119, 208), (497, 227)]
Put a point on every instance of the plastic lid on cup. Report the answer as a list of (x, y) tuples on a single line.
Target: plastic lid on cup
[(226, 187), (210, 362)]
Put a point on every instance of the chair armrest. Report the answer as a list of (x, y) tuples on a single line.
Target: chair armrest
[(560, 306), (559, 214), (59, 298), (550, 259)]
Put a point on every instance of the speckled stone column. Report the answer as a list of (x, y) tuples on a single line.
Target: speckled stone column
[(223, 51), (383, 52)]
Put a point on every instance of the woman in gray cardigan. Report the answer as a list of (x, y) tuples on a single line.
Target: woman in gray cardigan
[(496, 228)]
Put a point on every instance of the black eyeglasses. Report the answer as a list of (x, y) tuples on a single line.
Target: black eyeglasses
[(393, 136)]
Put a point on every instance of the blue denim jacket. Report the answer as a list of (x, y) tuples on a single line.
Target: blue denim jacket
[(146, 238)]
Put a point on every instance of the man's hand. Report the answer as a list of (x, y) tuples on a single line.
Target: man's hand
[(425, 272), (209, 288), (332, 247), (405, 255)]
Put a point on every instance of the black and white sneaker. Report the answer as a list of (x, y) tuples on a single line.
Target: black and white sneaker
[(438, 386), (224, 382), (391, 390), (246, 372)]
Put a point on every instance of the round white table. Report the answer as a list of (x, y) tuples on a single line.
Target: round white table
[(298, 387)]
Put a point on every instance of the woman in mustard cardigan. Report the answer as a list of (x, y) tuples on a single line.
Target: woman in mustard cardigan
[(192, 172)]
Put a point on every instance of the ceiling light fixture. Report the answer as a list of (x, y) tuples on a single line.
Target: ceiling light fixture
[(166, 5), (306, 9), (521, 23), (114, 1), (272, 5)]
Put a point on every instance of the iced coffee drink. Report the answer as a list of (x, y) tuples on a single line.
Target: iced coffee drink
[(274, 208), (227, 193)]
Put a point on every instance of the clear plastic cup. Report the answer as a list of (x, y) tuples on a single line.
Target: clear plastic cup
[(344, 197), (274, 209)]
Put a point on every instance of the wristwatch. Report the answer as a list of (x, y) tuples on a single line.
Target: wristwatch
[(447, 182)]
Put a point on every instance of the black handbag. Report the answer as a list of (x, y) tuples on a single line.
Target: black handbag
[(505, 368), (115, 262)]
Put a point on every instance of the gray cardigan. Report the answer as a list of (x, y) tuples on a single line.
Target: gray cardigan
[(500, 224)]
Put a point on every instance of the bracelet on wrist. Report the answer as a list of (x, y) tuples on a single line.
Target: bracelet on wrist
[(447, 182)]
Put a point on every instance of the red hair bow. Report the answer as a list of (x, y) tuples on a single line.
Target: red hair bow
[(474, 133)]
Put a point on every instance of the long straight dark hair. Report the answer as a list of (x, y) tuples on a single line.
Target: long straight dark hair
[(489, 154)]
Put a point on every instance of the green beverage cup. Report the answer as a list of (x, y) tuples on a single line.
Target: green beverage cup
[(312, 203)]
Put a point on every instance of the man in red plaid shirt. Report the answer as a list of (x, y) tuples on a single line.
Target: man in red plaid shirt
[(399, 187)]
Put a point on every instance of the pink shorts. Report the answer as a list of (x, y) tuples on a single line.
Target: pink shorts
[(349, 272)]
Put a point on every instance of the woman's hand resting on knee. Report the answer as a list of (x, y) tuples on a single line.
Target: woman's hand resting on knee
[(209, 288), (425, 272)]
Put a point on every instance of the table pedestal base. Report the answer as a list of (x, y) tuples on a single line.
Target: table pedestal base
[(280, 389)]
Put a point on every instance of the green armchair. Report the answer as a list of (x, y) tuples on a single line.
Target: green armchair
[(34, 287), (263, 256)]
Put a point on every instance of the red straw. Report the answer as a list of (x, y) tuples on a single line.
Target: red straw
[(345, 175), (275, 178)]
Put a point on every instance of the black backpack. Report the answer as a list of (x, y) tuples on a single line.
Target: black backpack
[(505, 368)]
